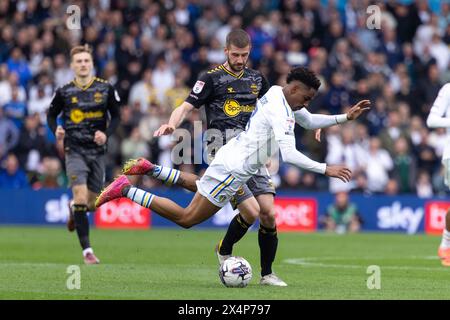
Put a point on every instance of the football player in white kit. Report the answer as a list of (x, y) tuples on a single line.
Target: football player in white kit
[(270, 128), (439, 117)]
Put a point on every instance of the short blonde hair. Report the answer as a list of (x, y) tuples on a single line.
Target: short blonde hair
[(79, 49)]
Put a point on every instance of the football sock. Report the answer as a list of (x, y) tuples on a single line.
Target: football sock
[(268, 243), (86, 251), (81, 224), (168, 175), (139, 196), (236, 230), (445, 243)]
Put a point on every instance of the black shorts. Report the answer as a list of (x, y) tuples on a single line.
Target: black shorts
[(86, 169), (261, 183)]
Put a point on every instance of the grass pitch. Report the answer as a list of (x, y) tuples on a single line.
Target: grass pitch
[(181, 264)]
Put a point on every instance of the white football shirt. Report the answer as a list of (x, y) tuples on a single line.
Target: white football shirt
[(270, 128)]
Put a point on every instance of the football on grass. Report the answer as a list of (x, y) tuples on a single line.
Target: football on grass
[(235, 272)]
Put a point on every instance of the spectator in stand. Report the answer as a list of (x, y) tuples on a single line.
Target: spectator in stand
[(38, 103), (378, 165), (399, 68), (175, 96), (32, 145), (11, 175), (424, 188), (17, 63), (405, 166), (390, 134), (345, 151), (163, 78), (9, 135), (143, 93), (62, 73), (15, 109), (377, 118), (291, 177), (134, 146), (392, 188), (51, 175), (342, 216), (7, 84), (338, 96)]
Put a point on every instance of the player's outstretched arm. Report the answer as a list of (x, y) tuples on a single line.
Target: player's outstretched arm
[(176, 118), (352, 114), (295, 157), (310, 121)]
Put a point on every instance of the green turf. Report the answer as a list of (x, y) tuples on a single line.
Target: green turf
[(180, 264)]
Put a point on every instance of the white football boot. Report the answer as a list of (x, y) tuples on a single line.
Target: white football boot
[(272, 280), (221, 257)]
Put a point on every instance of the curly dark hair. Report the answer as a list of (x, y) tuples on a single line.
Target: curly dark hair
[(305, 76)]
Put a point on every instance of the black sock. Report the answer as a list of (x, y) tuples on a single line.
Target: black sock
[(236, 230), (82, 224), (268, 243)]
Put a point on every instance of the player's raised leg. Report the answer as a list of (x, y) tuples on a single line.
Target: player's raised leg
[(248, 207), (169, 176), (200, 208)]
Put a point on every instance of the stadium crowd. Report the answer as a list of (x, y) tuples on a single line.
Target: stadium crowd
[(153, 52)]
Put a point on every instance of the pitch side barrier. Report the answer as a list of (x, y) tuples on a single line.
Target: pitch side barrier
[(296, 211)]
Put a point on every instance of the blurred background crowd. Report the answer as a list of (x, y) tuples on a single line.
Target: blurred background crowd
[(153, 52)]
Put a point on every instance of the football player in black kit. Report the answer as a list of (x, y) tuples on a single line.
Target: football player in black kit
[(89, 107), (229, 93)]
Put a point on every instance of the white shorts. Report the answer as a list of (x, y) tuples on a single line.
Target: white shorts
[(446, 163), (218, 185)]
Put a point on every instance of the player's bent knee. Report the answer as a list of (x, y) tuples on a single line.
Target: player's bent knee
[(186, 223), (267, 217), (187, 220), (249, 216), (249, 211)]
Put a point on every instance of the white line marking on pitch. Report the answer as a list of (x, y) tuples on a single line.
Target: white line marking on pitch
[(310, 262)]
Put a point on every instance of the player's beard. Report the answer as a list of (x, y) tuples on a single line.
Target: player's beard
[(235, 67)]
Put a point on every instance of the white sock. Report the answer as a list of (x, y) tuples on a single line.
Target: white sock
[(445, 243), (140, 196), (168, 175), (86, 251)]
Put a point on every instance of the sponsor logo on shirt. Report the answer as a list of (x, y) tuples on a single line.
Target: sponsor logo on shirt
[(232, 108), (290, 124), (98, 97), (76, 115), (198, 86)]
